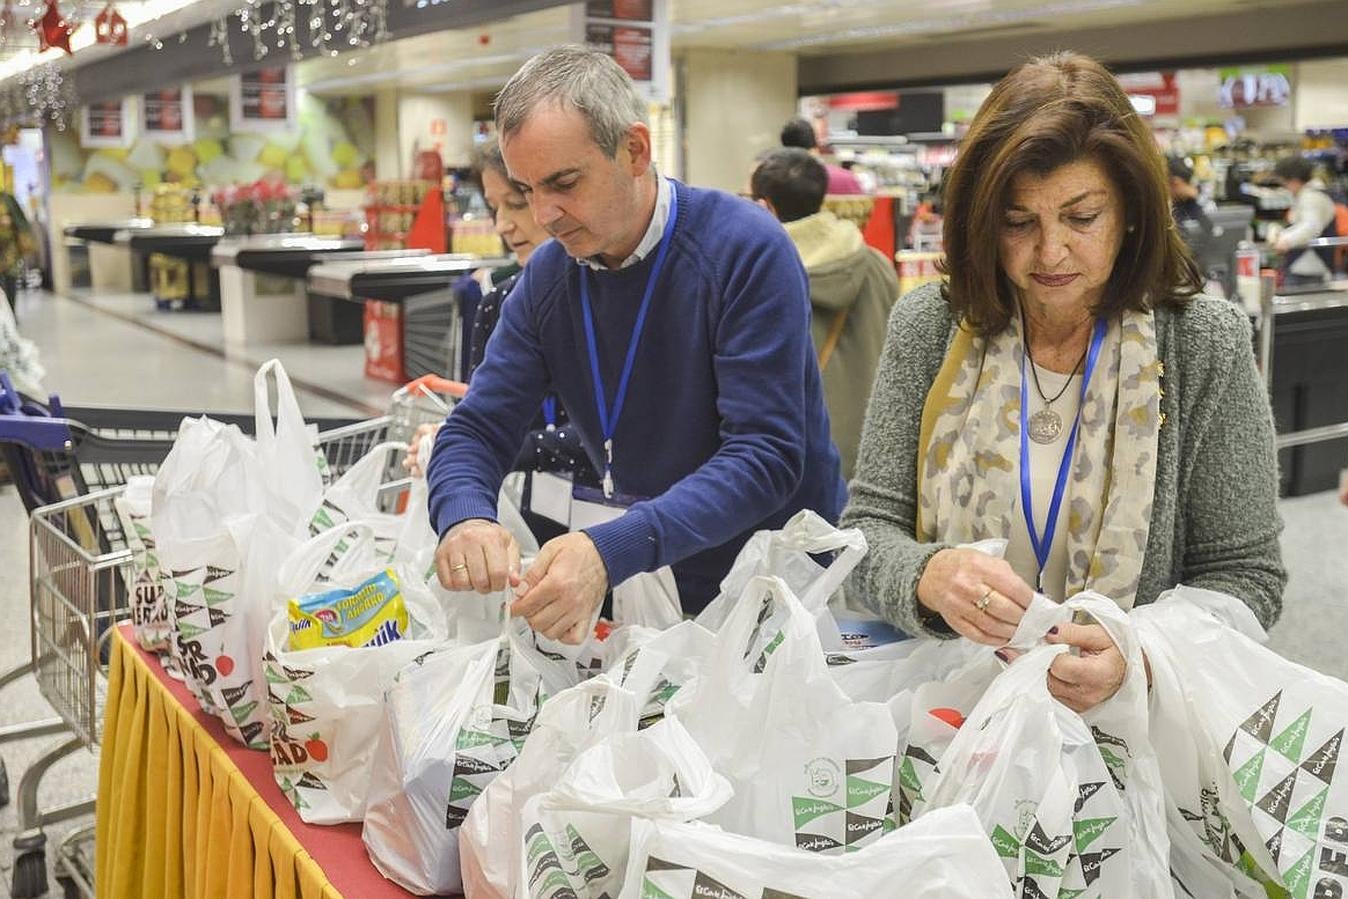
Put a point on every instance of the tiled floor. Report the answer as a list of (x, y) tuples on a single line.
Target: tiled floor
[(116, 350)]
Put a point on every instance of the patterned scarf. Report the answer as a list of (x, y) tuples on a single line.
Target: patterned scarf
[(969, 450)]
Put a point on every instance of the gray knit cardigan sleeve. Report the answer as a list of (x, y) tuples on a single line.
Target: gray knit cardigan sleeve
[(1215, 520), (883, 494)]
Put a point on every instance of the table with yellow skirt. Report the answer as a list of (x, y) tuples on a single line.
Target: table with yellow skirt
[(184, 811)]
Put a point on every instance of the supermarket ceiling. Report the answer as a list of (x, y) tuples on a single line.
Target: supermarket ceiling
[(820, 31), (453, 45)]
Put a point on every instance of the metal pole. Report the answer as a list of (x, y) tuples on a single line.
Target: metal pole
[(1267, 285)]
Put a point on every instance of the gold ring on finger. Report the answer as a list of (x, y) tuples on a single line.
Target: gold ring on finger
[(462, 566), (982, 604)]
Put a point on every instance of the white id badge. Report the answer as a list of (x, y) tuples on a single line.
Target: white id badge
[(589, 507), (550, 496)]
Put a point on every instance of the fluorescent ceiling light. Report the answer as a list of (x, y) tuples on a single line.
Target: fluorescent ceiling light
[(469, 84), (394, 73), (971, 21)]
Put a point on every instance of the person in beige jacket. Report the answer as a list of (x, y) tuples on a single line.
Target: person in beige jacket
[(852, 288)]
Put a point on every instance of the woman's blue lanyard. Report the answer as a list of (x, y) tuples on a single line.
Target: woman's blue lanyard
[(608, 417), (1043, 545)]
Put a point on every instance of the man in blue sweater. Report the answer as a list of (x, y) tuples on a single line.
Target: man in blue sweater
[(674, 323)]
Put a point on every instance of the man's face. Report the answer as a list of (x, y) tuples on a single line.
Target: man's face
[(576, 193)]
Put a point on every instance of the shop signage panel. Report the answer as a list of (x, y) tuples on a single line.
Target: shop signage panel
[(636, 34), (105, 124), (263, 100), (1254, 86), (167, 114)]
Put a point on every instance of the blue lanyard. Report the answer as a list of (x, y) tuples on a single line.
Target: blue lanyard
[(608, 417), (550, 411), (1044, 544)]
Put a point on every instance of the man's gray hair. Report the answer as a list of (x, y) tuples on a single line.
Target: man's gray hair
[(580, 77)]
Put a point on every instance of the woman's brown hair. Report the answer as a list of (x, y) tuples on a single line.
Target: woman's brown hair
[(1046, 113)]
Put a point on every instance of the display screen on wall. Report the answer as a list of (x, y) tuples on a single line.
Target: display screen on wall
[(915, 112), (167, 114), (105, 125), (1254, 86), (263, 100)]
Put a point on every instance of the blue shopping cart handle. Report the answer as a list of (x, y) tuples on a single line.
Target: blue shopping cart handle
[(28, 424), (50, 434), (10, 401)]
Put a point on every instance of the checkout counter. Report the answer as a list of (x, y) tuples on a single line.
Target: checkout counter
[(1302, 343), (180, 271), (263, 296), (111, 268), (413, 323)]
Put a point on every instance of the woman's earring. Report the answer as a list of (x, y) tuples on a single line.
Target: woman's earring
[(1132, 228)]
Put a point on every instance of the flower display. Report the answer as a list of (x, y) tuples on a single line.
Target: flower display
[(266, 206)]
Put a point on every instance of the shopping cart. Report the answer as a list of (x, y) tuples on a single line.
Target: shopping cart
[(81, 577)]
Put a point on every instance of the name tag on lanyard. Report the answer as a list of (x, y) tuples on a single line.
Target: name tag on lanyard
[(550, 496), (590, 507)]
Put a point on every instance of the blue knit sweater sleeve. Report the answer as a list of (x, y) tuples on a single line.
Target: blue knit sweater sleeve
[(482, 437), (762, 354)]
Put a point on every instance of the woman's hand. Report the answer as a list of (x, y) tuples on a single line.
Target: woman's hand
[(1083, 681), (410, 462), (979, 596)]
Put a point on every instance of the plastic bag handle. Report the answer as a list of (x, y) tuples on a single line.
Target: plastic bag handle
[(689, 766), (364, 478), (301, 568), (728, 660), (810, 533), (288, 413), (556, 675), (1043, 614)]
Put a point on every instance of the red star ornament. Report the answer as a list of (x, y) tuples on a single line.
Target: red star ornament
[(53, 30), (110, 27)]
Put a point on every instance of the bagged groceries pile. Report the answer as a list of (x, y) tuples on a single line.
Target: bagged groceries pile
[(751, 752)]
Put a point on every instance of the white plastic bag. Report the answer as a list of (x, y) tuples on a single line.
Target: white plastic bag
[(289, 466), (354, 496), (577, 835), (810, 767), (786, 554), (453, 721), (327, 704), (222, 588), (149, 612), (226, 511), (944, 855), (648, 668), (648, 599), (1072, 803), (1249, 746)]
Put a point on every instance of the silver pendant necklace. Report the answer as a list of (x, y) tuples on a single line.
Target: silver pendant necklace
[(1045, 426)]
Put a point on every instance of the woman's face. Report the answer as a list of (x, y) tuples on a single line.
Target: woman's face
[(510, 210), (1060, 235)]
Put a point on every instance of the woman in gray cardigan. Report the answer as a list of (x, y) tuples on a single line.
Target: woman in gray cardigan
[(1065, 389)]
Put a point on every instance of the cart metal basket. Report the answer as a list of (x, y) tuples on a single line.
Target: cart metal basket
[(69, 473)]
